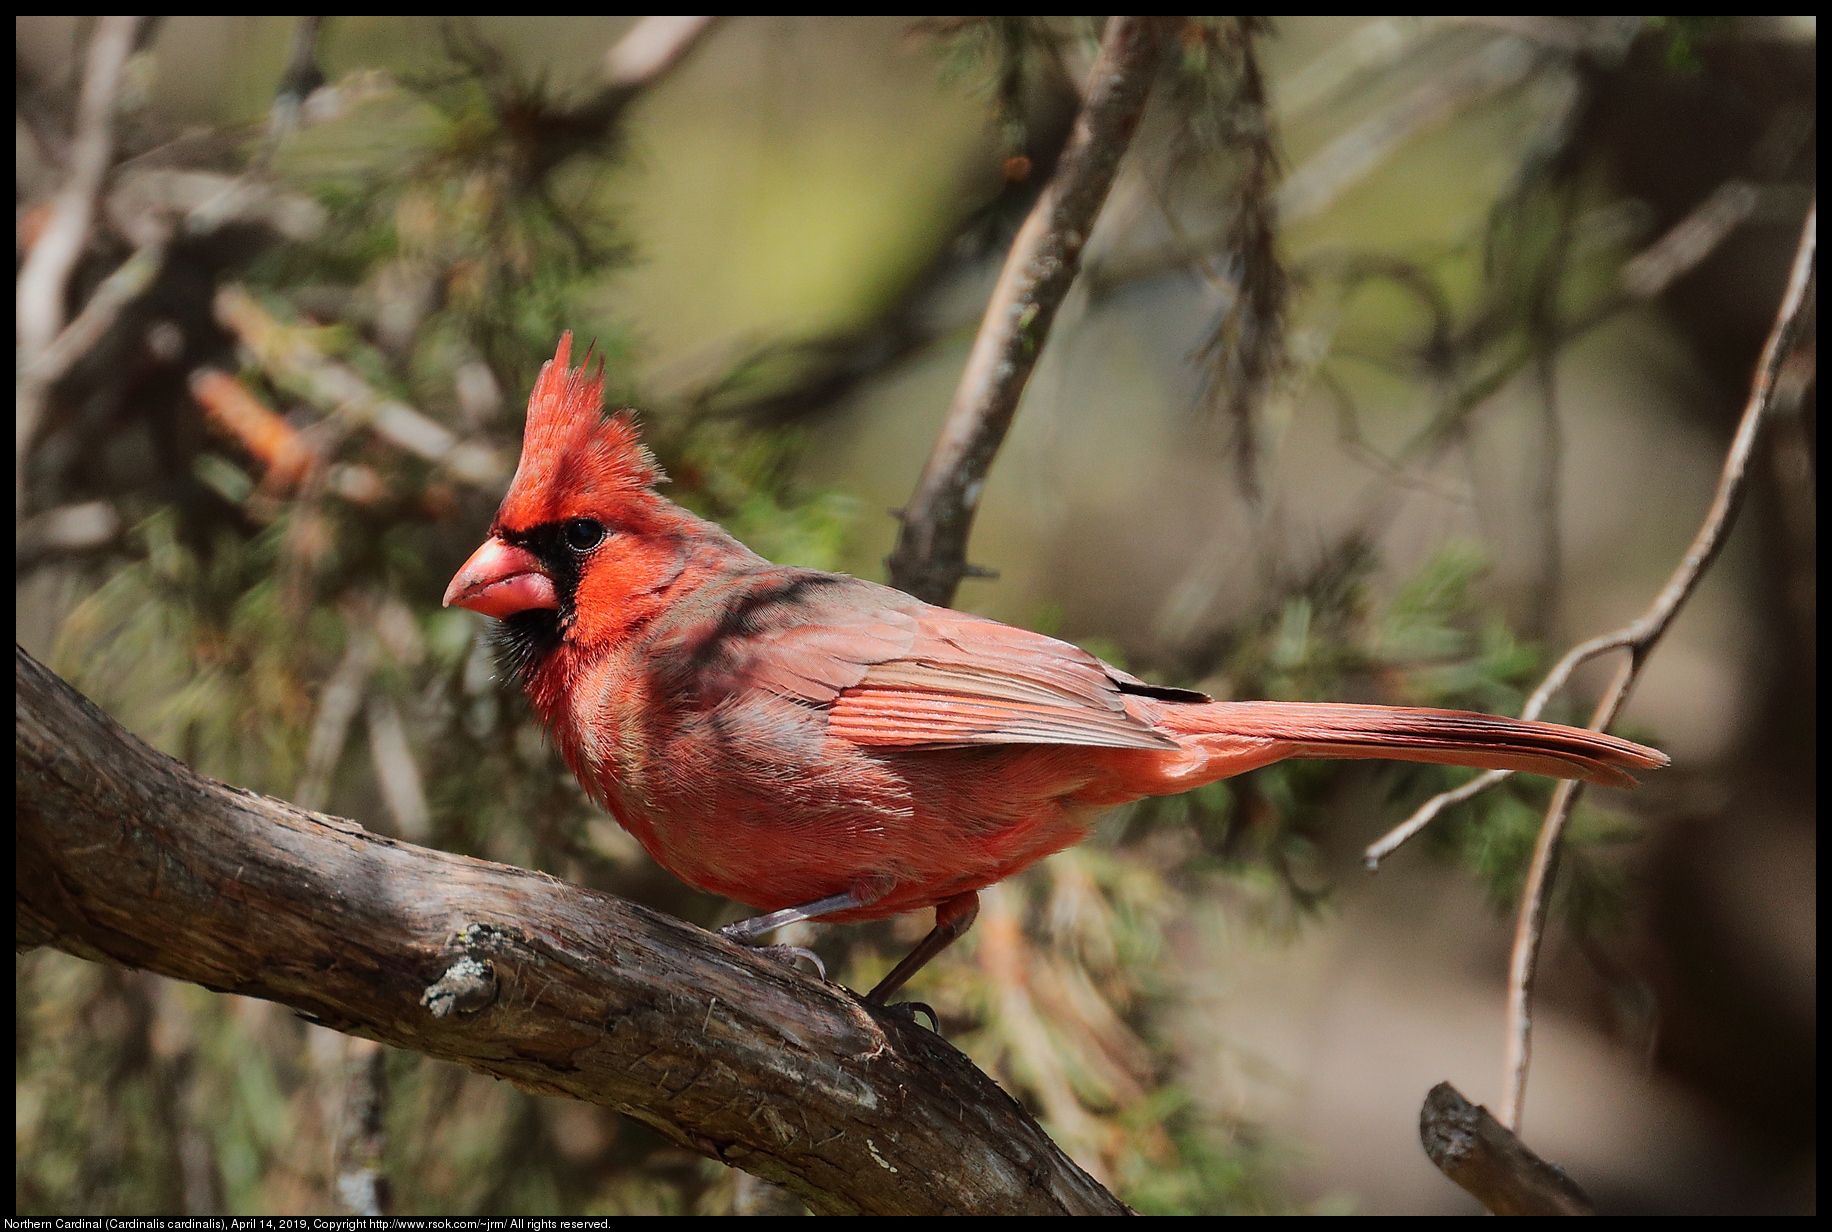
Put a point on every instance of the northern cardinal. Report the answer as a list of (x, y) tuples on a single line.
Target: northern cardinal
[(821, 747)]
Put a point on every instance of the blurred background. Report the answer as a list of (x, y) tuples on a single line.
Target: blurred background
[(1404, 356)]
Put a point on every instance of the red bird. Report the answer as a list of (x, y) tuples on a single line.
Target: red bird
[(821, 747)]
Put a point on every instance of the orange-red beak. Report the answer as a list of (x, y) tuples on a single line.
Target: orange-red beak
[(500, 580)]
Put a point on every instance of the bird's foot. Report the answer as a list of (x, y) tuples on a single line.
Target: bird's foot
[(784, 954), (907, 1010)]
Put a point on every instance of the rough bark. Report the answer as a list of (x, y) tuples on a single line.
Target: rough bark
[(127, 856)]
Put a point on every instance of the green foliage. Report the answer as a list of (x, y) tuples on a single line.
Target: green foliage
[(468, 226), (1200, 1167), (252, 634), (456, 222), (1006, 60), (196, 651), (1428, 644), (1684, 33), (742, 479), (1495, 835)]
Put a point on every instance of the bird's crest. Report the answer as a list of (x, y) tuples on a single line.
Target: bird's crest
[(576, 460)]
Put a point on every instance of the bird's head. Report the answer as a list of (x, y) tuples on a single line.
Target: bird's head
[(582, 544)]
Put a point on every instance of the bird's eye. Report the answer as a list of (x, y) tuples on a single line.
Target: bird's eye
[(583, 534)]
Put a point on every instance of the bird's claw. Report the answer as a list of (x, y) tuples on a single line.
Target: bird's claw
[(787, 954), (909, 1009)]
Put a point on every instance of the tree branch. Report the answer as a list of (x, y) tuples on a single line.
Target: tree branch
[(931, 554), (646, 54), (127, 856), (1792, 323), (652, 47), (43, 280), (1501, 64), (1476, 1151), (288, 354), (1674, 254)]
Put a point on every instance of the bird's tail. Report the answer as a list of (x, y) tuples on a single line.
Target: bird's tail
[(1238, 736)]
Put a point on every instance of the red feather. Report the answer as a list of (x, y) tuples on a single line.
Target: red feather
[(783, 736)]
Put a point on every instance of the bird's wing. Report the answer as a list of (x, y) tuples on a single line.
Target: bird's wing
[(965, 680), (892, 672)]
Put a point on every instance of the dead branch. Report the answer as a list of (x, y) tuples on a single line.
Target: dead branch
[(129, 857), (1775, 394), (645, 55), (652, 47), (931, 554), (1501, 64), (289, 356), (43, 281), (1677, 252), (1790, 331), (1476, 1151)]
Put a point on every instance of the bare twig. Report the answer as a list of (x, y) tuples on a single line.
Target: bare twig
[(128, 282), (1639, 638), (148, 207), (1683, 247), (930, 558), (1503, 63), (39, 302), (1687, 243), (1477, 1152), (1373, 49), (361, 1131), (300, 77), (1377, 48), (396, 771), (1312, 187), (1791, 323), (652, 47), (338, 705), (1554, 681), (1680, 250)]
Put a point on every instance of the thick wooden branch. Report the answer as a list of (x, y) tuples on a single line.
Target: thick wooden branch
[(931, 554), (1476, 1151), (127, 856)]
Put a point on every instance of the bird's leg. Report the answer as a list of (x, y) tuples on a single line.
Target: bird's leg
[(749, 932), (953, 916)]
